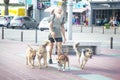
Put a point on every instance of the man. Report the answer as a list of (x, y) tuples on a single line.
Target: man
[(57, 32)]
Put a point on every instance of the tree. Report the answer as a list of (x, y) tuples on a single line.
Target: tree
[(6, 2)]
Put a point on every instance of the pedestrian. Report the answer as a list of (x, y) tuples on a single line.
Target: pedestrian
[(57, 32), (111, 21)]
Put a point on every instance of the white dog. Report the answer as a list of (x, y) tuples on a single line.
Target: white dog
[(82, 55)]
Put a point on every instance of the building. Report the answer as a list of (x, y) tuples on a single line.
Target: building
[(104, 9)]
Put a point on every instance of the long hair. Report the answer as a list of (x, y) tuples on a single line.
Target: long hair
[(57, 9)]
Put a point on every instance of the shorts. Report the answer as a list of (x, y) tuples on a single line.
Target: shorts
[(57, 40)]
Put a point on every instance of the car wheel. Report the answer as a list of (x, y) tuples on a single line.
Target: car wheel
[(13, 27), (23, 26), (42, 29), (8, 26)]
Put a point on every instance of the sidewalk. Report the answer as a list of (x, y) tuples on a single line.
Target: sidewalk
[(104, 66), (85, 36)]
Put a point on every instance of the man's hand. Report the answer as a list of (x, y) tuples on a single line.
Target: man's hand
[(64, 40), (53, 34)]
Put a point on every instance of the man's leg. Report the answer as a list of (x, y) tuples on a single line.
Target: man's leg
[(50, 53), (59, 48)]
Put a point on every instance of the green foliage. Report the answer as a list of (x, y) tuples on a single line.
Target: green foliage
[(107, 26)]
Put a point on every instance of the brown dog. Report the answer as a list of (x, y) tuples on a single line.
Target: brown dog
[(62, 60), (42, 54), (82, 55), (30, 56)]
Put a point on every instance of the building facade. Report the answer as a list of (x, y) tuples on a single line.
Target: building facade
[(106, 9)]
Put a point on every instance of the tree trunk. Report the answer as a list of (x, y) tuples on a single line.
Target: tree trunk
[(6, 9), (6, 2)]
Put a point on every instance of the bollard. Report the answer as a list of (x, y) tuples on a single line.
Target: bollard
[(115, 30), (103, 30), (92, 29), (21, 36), (111, 43), (81, 28), (2, 32), (36, 35)]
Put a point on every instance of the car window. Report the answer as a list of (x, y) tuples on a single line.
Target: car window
[(2, 18), (18, 18), (27, 19), (8, 18), (46, 19)]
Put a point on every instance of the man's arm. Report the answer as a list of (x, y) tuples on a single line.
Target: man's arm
[(51, 29), (63, 33)]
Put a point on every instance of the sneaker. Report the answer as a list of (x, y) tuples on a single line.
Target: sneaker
[(50, 61)]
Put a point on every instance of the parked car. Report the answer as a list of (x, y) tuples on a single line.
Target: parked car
[(44, 24), (23, 22), (5, 20)]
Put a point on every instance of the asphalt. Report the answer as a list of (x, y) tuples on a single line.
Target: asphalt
[(103, 66)]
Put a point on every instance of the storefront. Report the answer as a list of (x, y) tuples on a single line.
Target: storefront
[(102, 10)]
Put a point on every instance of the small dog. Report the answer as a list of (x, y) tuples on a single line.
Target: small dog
[(42, 54), (83, 55), (62, 60), (30, 56)]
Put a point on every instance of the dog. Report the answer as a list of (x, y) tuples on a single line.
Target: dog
[(82, 55), (63, 59), (30, 56), (42, 54)]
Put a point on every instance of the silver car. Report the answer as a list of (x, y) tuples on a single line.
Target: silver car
[(5, 20), (23, 22)]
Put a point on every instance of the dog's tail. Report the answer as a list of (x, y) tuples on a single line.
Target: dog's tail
[(75, 47), (29, 46), (46, 43)]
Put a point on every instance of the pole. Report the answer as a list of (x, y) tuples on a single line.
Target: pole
[(36, 35), (111, 42), (21, 36), (81, 28), (34, 8), (2, 32), (69, 24), (103, 30), (25, 7), (92, 29), (35, 16), (115, 30)]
